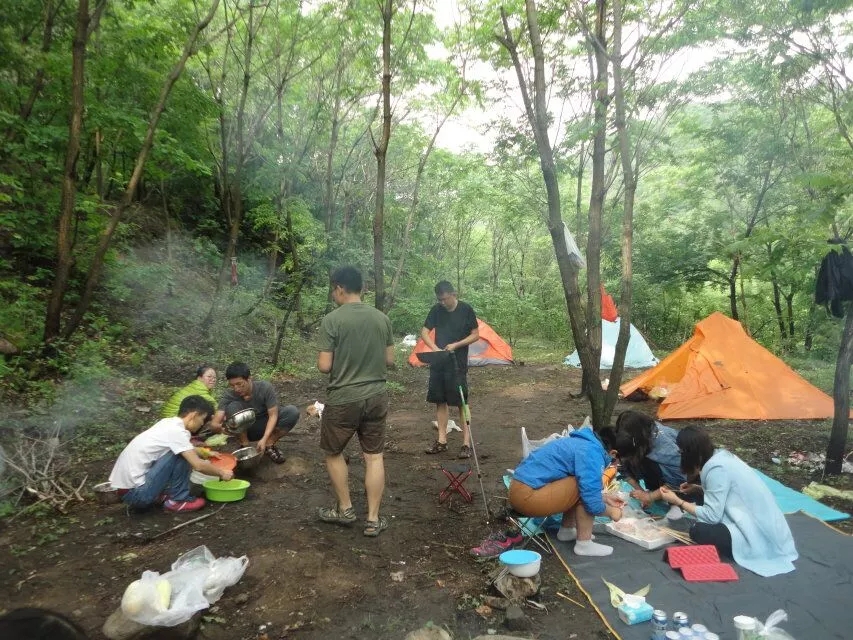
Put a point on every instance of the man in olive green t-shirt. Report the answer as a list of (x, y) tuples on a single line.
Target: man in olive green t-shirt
[(356, 347)]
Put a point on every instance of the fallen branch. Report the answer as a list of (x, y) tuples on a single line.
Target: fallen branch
[(183, 524), (573, 601)]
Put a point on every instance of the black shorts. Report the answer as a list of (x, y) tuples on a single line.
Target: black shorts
[(444, 383)]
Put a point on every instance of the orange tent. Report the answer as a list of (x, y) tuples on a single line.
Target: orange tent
[(489, 349), (723, 373)]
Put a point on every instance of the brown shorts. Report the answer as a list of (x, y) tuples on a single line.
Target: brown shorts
[(365, 418)]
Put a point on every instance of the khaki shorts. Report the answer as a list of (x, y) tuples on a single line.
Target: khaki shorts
[(365, 418)]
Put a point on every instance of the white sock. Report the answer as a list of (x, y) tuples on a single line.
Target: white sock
[(567, 534), (674, 513), (590, 548)]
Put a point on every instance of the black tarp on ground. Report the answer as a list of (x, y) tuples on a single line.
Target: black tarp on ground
[(818, 595)]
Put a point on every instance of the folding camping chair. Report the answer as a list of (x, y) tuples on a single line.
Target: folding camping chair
[(456, 475), (532, 530)]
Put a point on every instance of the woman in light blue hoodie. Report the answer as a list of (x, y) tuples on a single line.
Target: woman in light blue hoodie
[(739, 515)]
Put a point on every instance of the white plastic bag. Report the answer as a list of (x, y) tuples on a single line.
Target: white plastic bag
[(197, 578), (528, 445), (769, 628)]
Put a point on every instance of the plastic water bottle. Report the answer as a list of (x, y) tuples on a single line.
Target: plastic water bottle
[(711, 636), (699, 630), (672, 635), (686, 633), (744, 627)]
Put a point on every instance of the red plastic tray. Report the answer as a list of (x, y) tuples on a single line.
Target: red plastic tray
[(679, 557), (715, 572)]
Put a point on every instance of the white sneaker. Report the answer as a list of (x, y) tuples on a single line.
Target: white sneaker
[(674, 513)]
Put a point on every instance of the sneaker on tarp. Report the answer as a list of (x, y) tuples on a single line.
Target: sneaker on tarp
[(497, 543), (178, 506)]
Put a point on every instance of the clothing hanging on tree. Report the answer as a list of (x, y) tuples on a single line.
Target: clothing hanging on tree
[(835, 281), (234, 272)]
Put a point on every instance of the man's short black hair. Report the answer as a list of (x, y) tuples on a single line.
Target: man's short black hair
[(196, 403), (349, 278), (444, 287), (237, 370), (696, 449)]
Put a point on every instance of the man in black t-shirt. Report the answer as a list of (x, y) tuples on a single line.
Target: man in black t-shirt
[(455, 325)]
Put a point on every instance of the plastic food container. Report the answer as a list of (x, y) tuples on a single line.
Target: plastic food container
[(226, 491), (197, 480), (521, 563), (106, 493)]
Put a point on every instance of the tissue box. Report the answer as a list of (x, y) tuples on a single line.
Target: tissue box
[(635, 609)]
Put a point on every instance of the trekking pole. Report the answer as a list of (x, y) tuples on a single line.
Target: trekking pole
[(466, 417)]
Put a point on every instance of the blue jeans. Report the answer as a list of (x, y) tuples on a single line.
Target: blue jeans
[(170, 475)]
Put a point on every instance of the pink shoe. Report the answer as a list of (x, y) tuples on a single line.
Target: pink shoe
[(180, 506), (497, 543)]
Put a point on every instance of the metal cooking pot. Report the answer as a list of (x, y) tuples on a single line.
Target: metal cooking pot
[(248, 458), (239, 421)]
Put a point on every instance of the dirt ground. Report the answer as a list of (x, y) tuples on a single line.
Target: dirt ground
[(307, 579)]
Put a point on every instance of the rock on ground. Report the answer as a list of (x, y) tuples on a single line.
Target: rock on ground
[(429, 633), (119, 627)]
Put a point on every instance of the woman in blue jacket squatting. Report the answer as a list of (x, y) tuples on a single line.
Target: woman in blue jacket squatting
[(568, 476), (739, 515)]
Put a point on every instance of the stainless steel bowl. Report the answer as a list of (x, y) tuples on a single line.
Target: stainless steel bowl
[(248, 459), (239, 422), (105, 493)]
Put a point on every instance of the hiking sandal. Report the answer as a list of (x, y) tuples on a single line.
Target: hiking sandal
[(275, 454), (465, 451), (437, 447), (336, 515), (373, 528)]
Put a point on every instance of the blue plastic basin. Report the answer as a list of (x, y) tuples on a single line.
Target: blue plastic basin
[(519, 556)]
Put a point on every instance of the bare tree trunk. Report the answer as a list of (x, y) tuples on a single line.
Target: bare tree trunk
[(64, 253), (50, 12), (380, 149), (235, 189), (841, 397), (329, 199), (537, 117), (106, 236), (629, 180), (732, 280), (401, 261), (592, 341)]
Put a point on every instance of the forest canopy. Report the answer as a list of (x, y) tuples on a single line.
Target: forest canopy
[(201, 161)]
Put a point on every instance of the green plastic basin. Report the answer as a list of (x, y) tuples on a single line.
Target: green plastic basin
[(226, 491)]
